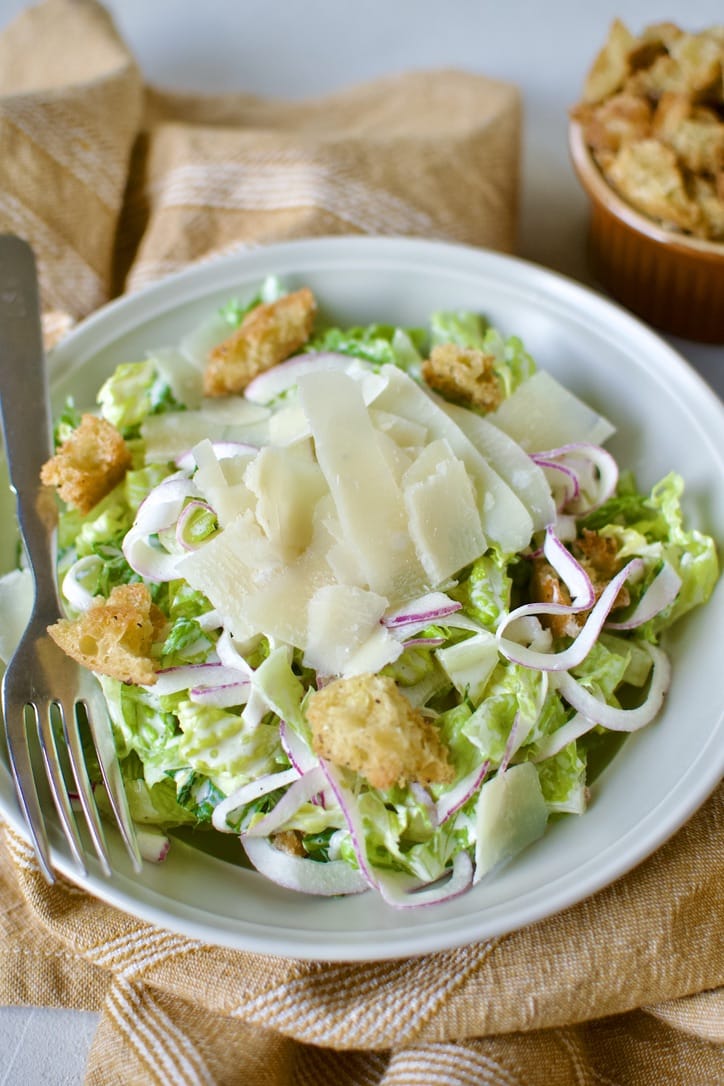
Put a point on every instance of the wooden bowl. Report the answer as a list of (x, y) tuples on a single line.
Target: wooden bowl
[(670, 280)]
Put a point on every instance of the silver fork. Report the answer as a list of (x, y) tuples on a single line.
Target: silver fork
[(45, 694)]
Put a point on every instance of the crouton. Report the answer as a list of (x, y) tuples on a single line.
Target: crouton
[(598, 551), (547, 587), (268, 334), (366, 724), (464, 375), (89, 464), (648, 175), (114, 636), (611, 66), (290, 842), (598, 554), (619, 120)]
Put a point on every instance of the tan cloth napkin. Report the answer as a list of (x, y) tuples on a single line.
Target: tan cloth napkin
[(114, 185)]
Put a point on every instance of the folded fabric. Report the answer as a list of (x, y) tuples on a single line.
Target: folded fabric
[(116, 184)]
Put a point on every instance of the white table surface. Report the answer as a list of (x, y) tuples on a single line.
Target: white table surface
[(221, 45)]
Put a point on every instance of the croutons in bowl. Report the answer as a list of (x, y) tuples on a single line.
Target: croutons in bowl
[(647, 143)]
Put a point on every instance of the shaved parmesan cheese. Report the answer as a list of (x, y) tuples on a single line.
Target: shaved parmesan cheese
[(182, 375), (228, 567), (402, 431), (444, 522), (287, 485), (288, 425), (505, 519), (227, 498), (511, 463), (511, 813), (341, 619), (542, 414), (169, 435), (379, 650), (367, 498), (279, 606)]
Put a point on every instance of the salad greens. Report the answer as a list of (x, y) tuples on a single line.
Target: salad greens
[(503, 656)]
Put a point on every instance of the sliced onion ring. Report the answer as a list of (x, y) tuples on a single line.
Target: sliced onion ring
[(249, 792), (662, 591), (584, 642), (404, 892), (296, 750), (301, 791), (451, 802), (77, 596), (596, 457), (223, 450), (332, 879), (270, 384), (621, 720), (426, 609), (171, 680)]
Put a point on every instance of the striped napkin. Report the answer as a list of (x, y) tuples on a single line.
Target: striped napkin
[(116, 184)]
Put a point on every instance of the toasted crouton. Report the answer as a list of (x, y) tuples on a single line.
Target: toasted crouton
[(114, 636), (88, 464), (465, 375), (618, 120), (366, 724), (598, 554), (648, 175), (268, 334), (612, 64), (547, 587), (290, 842)]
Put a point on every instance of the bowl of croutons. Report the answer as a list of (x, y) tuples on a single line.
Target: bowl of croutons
[(647, 143)]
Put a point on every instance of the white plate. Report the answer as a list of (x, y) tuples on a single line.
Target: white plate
[(667, 418)]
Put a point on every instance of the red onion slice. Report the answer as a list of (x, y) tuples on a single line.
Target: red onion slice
[(296, 750), (280, 378), (451, 802), (149, 562), (396, 888), (303, 789), (162, 505), (425, 642), (662, 591), (584, 642), (221, 697), (172, 680), (425, 800), (193, 507), (152, 844), (248, 793), (426, 609), (592, 458), (608, 716), (404, 892), (332, 879), (223, 450), (570, 571), (348, 806), (159, 510), (79, 598), (558, 740), (571, 487)]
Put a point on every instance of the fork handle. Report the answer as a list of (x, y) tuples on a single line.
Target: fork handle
[(25, 410)]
